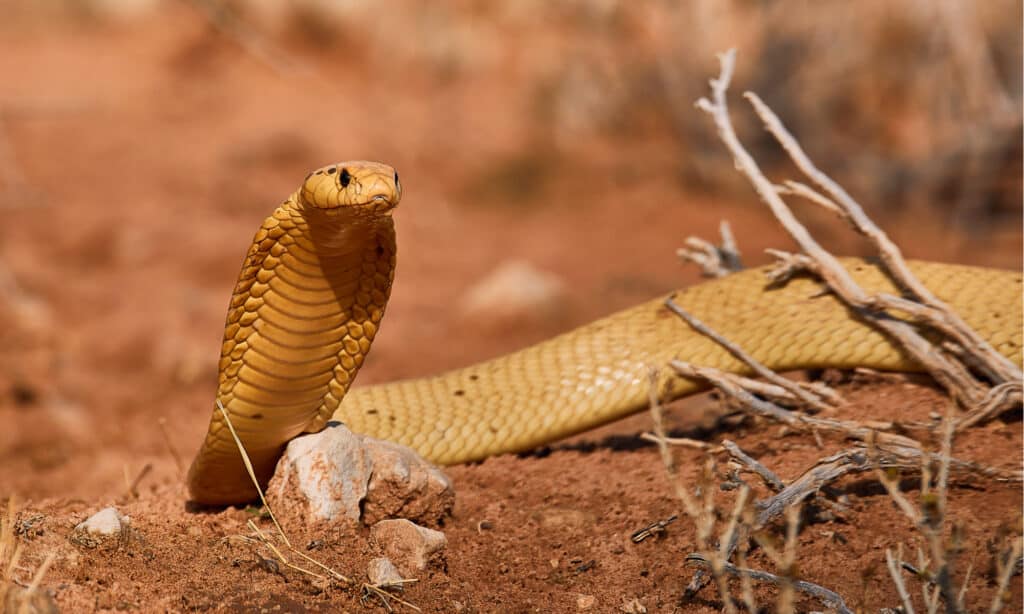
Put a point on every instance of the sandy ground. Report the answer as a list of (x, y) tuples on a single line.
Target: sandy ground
[(149, 155)]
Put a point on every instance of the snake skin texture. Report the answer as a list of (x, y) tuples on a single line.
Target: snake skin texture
[(313, 290), (306, 307)]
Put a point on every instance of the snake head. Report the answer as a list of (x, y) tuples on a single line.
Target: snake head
[(361, 186)]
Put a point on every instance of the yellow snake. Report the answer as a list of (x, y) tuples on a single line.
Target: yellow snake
[(313, 289)]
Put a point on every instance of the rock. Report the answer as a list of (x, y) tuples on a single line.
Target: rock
[(585, 602), (383, 573), (404, 485), (337, 475), (411, 546), (513, 293), (632, 606), (105, 524)]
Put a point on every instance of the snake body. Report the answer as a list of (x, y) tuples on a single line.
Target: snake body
[(314, 286)]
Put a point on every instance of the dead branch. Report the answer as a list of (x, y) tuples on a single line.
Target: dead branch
[(893, 565), (829, 598), (736, 388), (713, 260), (1005, 568), (995, 364), (772, 392), (768, 476), (737, 352), (701, 515), (950, 374)]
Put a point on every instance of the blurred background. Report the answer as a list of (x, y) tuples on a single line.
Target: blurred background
[(547, 149)]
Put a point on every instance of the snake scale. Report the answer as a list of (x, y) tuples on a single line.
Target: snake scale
[(313, 289)]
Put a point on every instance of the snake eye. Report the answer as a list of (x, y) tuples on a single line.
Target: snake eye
[(345, 177)]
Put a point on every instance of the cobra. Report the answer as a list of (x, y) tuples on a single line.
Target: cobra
[(316, 280)]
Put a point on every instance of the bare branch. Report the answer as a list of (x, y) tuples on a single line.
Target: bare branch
[(893, 563), (773, 481), (714, 260), (790, 386), (829, 598), (996, 366)]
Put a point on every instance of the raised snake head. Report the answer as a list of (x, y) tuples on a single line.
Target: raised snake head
[(356, 186)]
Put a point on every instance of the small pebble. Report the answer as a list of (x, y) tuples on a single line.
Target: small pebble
[(585, 602)]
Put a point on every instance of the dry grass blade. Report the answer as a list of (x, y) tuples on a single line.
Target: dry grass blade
[(683, 442), (252, 472), (10, 551), (280, 530), (10, 555)]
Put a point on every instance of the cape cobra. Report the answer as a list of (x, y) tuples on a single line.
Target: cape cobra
[(313, 289)]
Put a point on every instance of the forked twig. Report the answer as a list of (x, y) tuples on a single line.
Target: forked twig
[(951, 374), (829, 598), (737, 352), (995, 364), (713, 260)]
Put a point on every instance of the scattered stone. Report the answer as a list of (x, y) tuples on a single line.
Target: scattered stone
[(585, 602), (404, 485), (513, 293), (30, 526), (633, 606), (412, 547), (337, 475), (383, 574), (105, 524)]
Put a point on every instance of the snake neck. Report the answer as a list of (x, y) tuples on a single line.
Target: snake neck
[(307, 306)]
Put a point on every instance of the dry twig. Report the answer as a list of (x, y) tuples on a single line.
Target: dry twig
[(953, 375), (713, 260), (829, 598), (819, 402), (702, 514)]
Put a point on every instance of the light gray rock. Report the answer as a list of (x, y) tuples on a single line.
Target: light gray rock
[(105, 524), (413, 548), (383, 573), (336, 475), (108, 521)]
